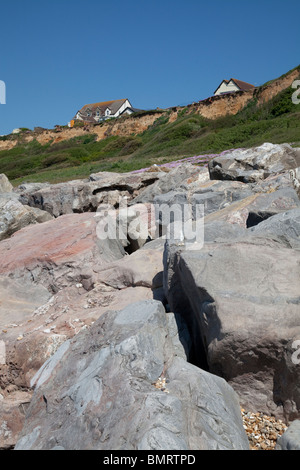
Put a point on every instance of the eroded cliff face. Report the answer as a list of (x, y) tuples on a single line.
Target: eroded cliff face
[(269, 91), (218, 106), (121, 127), (210, 108)]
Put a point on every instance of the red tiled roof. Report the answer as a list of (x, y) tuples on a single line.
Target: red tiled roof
[(113, 105), (244, 86)]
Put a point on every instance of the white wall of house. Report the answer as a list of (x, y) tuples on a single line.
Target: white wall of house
[(223, 88), (125, 105)]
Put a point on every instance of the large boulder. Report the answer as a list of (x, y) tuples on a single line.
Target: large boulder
[(142, 268), (34, 323), (12, 415), (14, 216), (213, 195), (253, 209), (181, 175), (58, 253), (252, 165), (290, 440), (124, 384), (86, 195), (241, 301), (283, 227)]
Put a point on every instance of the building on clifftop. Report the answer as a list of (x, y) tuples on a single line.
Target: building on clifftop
[(231, 86), (93, 113)]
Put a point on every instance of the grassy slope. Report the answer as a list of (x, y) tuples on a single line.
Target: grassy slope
[(277, 121)]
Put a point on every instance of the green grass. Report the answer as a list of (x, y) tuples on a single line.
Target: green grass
[(276, 121)]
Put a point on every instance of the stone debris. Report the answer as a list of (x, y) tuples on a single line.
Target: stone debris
[(160, 384), (263, 431)]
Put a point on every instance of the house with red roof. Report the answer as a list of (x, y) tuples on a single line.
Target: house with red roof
[(95, 112), (232, 85)]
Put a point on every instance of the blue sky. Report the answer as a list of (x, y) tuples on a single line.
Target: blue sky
[(57, 56)]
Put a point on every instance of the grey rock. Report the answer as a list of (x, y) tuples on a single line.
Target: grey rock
[(267, 205), (252, 165), (283, 227), (99, 392), (290, 439), (86, 195), (252, 210), (241, 301), (167, 182), (14, 216)]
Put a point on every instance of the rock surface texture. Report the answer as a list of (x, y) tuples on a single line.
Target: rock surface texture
[(106, 380), (115, 336)]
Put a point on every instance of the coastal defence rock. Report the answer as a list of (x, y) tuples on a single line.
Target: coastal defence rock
[(240, 299), (283, 227), (120, 385), (254, 164), (35, 322), (235, 301), (80, 196), (290, 440), (14, 215), (57, 253)]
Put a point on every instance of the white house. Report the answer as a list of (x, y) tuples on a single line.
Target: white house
[(96, 112), (231, 86)]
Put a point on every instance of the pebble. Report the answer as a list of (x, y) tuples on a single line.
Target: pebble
[(161, 384), (262, 430)]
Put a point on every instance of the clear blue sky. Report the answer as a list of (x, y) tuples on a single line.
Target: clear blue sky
[(58, 55)]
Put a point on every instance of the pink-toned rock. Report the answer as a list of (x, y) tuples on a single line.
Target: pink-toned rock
[(34, 323), (35, 336), (57, 253), (12, 412)]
